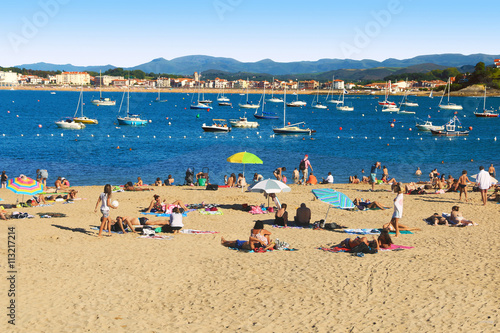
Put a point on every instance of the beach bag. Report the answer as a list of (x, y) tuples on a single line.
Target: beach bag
[(302, 165), (212, 187)]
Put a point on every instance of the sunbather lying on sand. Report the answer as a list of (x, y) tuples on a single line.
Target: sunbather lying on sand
[(436, 219), (390, 227), (457, 218), (367, 204), (352, 243), (384, 240), (130, 187)]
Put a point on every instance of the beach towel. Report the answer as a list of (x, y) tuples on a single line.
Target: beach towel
[(395, 247), (210, 212), (335, 249), (113, 232), (49, 215), (192, 231), (163, 237), (162, 214), (292, 227), (373, 231)]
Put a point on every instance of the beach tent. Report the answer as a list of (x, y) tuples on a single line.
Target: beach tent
[(334, 199)]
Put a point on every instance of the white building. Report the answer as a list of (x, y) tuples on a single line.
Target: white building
[(240, 84), (163, 82), (8, 79), (338, 84), (73, 78), (106, 80)]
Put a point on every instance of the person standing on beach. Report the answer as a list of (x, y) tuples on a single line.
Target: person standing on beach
[(491, 171), (105, 201), (462, 185), (44, 175), (373, 174), (398, 208), (483, 181), (304, 168), (4, 179), (296, 176)]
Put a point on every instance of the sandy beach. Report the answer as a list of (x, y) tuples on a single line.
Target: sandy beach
[(69, 280)]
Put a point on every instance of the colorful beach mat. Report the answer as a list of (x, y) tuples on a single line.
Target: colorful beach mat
[(192, 231), (334, 198), (373, 231)]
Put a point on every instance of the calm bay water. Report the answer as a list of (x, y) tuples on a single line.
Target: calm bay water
[(345, 142)]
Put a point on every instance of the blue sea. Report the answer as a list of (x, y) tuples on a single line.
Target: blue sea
[(344, 142)]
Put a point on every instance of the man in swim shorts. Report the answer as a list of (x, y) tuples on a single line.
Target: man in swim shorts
[(238, 244)]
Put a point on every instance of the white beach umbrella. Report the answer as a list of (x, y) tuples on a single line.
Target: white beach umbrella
[(270, 186)]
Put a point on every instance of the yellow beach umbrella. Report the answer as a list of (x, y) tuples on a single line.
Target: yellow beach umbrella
[(244, 158)]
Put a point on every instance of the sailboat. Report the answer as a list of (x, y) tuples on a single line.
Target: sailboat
[(330, 91), (404, 101), (247, 104), (316, 103), (130, 119), (199, 105), (223, 100), (102, 101), (158, 99), (448, 106), (297, 103), (430, 95), (486, 113), (387, 92), (341, 106), (82, 118), (274, 99), (263, 114), (290, 128)]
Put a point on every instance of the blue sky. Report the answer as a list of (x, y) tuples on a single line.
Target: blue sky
[(127, 33)]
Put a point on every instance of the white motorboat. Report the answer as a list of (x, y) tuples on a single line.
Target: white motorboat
[(428, 126), (390, 108), (69, 123), (448, 105), (219, 125), (243, 123)]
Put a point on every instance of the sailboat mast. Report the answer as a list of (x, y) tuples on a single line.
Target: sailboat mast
[(100, 85), (284, 109), (128, 97), (81, 97), (484, 106), (449, 88)]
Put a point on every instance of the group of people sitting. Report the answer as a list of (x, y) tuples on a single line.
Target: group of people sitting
[(302, 216), (241, 182)]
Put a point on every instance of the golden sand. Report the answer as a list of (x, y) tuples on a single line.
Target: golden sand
[(71, 281)]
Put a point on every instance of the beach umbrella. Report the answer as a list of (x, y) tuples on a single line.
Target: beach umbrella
[(493, 180), (334, 199), (270, 186), (244, 158), (24, 185)]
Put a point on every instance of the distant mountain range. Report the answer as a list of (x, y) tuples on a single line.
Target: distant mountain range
[(200, 63)]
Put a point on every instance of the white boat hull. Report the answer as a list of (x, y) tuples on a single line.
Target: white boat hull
[(249, 106), (320, 106), (274, 100), (345, 108), (131, 121), (450, 107), (70, 125), (103, 102), (409, 104), (385, 109)]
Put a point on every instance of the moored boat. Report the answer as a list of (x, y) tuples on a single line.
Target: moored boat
[(219, 125)]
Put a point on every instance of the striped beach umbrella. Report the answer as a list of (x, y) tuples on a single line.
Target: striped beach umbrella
[(334, 198), (24, 185)]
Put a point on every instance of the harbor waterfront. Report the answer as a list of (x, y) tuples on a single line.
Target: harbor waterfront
[(172, 140)]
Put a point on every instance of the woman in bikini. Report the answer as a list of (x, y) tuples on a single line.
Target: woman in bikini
[(155, 204), (260, 237), (457, 219)]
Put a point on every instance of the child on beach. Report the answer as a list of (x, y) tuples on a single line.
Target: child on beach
[(105, 201), (462, 185), (398, 208)]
